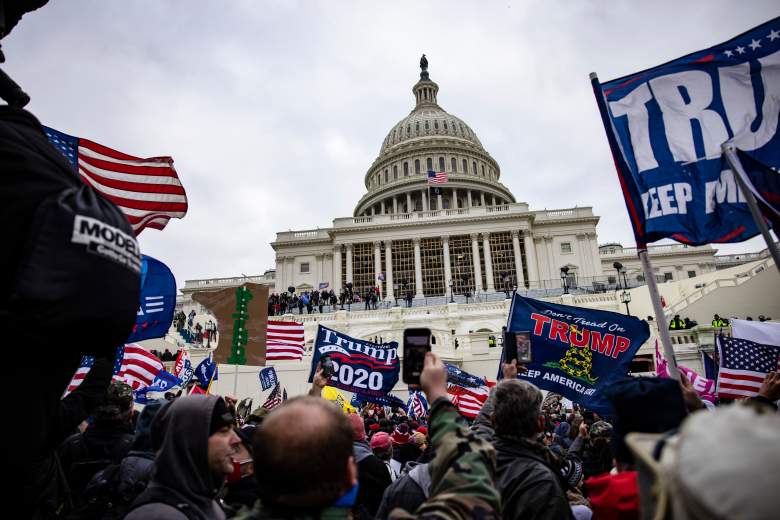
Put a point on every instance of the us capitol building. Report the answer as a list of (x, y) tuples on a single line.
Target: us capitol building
[(457, 248), (467, 236)]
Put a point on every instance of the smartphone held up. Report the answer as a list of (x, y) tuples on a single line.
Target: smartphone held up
[(417, 342), (517, 345)]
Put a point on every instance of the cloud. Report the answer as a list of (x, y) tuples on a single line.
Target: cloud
[(274, 110)]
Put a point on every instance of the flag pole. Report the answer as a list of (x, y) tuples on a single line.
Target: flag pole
[(742, 180), (660, 317), (644, 258)]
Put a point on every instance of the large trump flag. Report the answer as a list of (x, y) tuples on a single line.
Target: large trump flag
[(667, 125)]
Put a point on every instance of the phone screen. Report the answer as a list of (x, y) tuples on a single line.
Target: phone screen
[(416, 343), (523, 345)]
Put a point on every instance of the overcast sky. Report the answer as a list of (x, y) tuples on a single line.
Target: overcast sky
[(274, 110)]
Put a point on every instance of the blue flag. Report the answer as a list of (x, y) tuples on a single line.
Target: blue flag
[(268, 378), (359, 400), (417, 406), (666, 125), (361, 367), (165, 381), (577, 352), (158, 298), (710, 366), (206, 372), (460, 377)]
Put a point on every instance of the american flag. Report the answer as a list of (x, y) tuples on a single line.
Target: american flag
[(81, 372), (284, 340), (136, 366), (274, 399), (469, 400), (743, 366), (437, 177), (148, 191)]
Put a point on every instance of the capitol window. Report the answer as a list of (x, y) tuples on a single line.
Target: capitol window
[(406, 169), (435, 125), (429, 163), (483, 170), (304, 267), (427, 127), (565, 247), (454, 164), (417, 166), (417, 128), (387, 178), (465, 166), (395, 172), (474, 164), (441, 164), (445, 124), (408, 130)]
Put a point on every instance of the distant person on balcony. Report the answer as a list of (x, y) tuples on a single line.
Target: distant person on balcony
[(689, 323), (676, 323), (717, 321)]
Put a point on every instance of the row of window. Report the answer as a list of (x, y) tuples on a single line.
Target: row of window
[(476, 169), (438, 127)]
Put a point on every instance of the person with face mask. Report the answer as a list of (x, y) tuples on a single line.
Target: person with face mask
[(240, 486)]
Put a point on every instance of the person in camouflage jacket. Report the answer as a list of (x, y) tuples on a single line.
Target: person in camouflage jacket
[(461, 472)]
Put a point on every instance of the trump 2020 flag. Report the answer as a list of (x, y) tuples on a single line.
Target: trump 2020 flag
[(417, 406), (182, 368), (268, 378), (666, 126), (361, 367), (165, 381), (158, 298), (206, 372), (577, 352)]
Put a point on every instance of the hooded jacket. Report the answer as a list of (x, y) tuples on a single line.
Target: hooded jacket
[(181, 470), (408, 492)]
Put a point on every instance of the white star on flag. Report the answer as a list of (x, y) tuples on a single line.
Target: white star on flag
[(729, 53), (740, 50), (773, 35), (754, 44)]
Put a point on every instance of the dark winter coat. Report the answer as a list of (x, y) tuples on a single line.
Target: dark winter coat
[(408, 492), (181, 469), (373, 479)]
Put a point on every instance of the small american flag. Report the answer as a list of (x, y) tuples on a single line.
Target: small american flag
[(148, 191), (274, 399), (469, 400), (743, 366), (284, 340), (437, 177), (136, 366), (81, 372)]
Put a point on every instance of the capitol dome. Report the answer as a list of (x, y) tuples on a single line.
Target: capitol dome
[(430, 138)]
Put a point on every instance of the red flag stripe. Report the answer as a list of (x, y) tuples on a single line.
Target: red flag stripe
[(158, 170), (116, 154)]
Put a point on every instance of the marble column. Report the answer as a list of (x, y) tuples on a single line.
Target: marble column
[(382, 209), (475, 258), (320, 261), (349, 263), (417, 268), (454, 199), (336, 285), (425, 206), (554, 270), (445, 242), (377, 263), (468, 198), (280, 274), (530, 257), (494, 200), (390, 290), (488, 262), (409, 207), (598, 269), (482, 198), (519, 278), (395, 205), (583, 255), (438, 201)]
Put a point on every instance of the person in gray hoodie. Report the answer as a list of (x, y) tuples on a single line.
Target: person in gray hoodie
[(195, 455)]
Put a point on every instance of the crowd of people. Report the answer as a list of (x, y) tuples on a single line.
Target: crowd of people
[(193, 332), (208, 457), (327, 301), (677, 323)]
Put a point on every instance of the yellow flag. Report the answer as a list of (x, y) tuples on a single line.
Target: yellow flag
[(332, 394)]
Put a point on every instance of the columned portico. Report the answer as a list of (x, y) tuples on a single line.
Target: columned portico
[(475, 257), (417, 268)]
